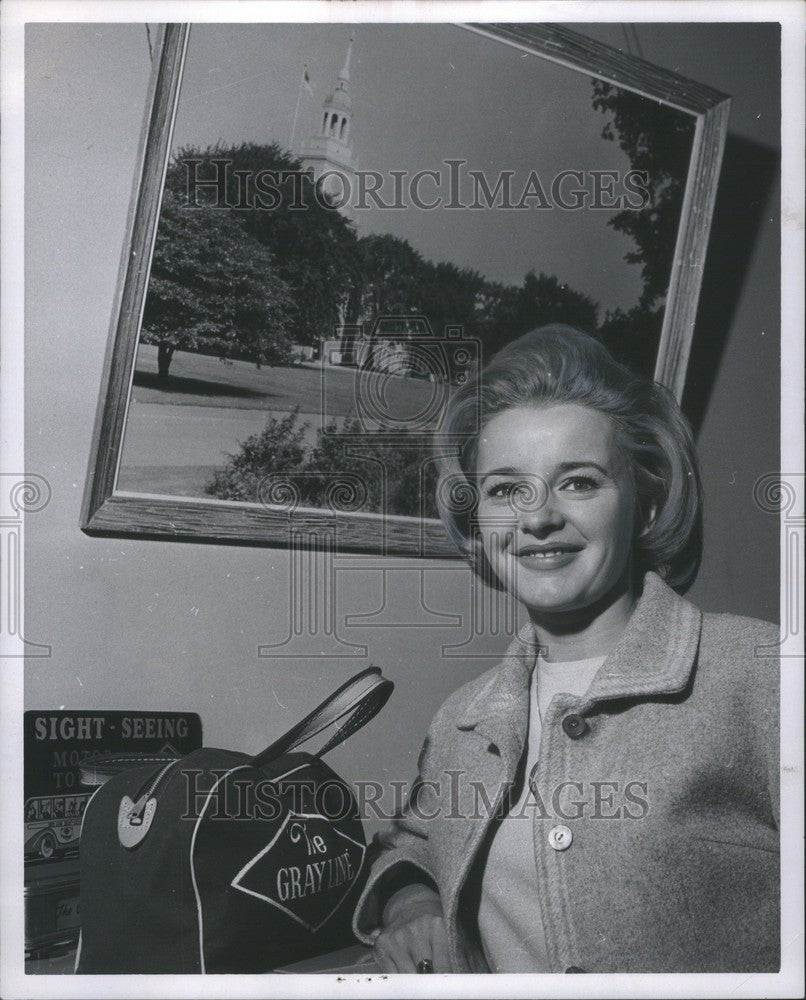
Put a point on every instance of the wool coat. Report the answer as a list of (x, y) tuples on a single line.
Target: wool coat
[(655, 818)]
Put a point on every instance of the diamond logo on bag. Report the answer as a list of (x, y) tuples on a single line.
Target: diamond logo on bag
[(306, 870)]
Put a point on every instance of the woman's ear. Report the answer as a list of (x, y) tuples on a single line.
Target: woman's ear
[(648, 519)]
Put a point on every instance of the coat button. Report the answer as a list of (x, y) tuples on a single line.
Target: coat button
[(574, 968), (574, 726), (560, 838)]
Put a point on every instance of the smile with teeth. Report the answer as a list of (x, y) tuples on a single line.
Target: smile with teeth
[(547, 554), (547, 558)]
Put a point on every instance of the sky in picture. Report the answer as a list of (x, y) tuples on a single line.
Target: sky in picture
[(423, 94)]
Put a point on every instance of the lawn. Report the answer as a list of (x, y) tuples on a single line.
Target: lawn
[(201, 380), (182, 429)]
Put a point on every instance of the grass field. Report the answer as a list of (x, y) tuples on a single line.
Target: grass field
[(180, 430), (166, 480), (201, 380)]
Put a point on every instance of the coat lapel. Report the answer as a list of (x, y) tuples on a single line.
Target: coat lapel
[(655, 656), (492, 731), (656, 653)]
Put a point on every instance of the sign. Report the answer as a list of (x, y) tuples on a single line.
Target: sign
[(55, 745)]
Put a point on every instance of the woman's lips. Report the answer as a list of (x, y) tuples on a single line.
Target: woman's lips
[(547, 558)]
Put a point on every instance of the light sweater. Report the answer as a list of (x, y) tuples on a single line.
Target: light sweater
[(509, 914)]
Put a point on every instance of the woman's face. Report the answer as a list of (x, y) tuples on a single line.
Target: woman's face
[(557, 508)]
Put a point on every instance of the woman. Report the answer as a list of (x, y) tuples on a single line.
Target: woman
[(604, 800)]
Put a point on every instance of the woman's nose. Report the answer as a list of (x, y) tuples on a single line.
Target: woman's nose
[(539, 522), (539, 512)]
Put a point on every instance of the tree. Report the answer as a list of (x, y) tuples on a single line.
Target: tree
[(542, 299), (504, 312), (395, 280), (632, 336), (657, 139), (450, 295), (396, 479), (497, 319), (313, 245), (280, 447), (393, 479), (388, 280), (213, 289)]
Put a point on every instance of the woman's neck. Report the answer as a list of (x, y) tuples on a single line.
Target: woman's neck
[(586, 633)]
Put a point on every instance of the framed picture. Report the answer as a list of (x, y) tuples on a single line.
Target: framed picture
[(335, 225)]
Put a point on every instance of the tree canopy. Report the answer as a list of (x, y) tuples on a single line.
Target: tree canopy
[(213, 288), (260, 260), (657, 139), (317, 272), (313, 245)]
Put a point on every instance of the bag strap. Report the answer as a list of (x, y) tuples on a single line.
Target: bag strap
[(360, 699)]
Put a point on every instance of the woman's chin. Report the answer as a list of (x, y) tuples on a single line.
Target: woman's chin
[(565, 605), (551, 591), (551, 601)]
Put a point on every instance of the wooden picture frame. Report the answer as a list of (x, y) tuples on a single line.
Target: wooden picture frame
[(109, 511)]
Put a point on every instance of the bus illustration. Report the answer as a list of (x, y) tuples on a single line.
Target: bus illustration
[(53, 824)]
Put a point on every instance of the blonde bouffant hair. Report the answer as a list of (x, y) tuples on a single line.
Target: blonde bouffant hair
[(560, 364)]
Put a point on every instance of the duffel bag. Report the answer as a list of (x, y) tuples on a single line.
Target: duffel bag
[(220, 862)]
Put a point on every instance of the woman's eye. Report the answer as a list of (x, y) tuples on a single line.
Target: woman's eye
[(580, 484), (500, 490), (504, 491)]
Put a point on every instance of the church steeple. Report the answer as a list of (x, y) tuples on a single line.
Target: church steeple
[(331, 149), (338, 107), (345, 73)]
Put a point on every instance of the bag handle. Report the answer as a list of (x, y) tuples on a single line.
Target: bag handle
[(360, 699)]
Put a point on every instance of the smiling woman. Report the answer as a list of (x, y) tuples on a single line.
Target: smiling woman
[(572, 483), (629, 426), (557, 533)]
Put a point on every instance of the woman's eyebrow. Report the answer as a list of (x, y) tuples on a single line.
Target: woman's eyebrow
[(507, 470), (582, 464), (562, 467)]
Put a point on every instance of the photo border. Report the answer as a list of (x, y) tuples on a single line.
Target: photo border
[(789, 981)]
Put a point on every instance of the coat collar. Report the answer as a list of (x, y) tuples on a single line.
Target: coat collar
[(656, 653), (655, 656)]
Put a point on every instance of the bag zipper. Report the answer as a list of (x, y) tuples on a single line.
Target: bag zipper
[(135, 818), (136, 815)]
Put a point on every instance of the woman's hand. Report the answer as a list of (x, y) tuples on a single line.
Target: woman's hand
[(413, 930)]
